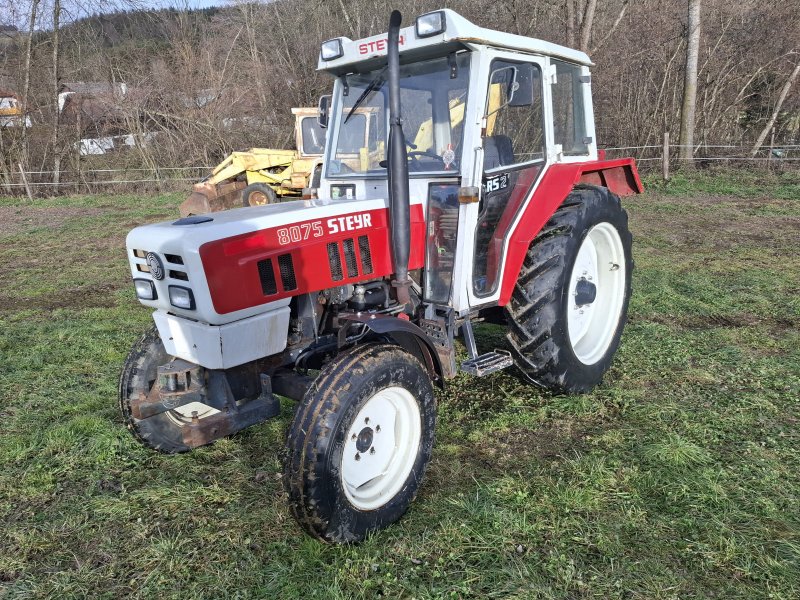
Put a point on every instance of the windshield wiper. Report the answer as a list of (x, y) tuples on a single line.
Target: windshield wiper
[(374, 85)]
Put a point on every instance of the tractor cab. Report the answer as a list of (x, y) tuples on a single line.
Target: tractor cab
[(485, 114)]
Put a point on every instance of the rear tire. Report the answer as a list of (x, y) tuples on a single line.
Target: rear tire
[(359, 443), (258, 194), (570, 304)]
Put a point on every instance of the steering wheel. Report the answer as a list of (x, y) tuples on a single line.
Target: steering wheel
[(427, 153)]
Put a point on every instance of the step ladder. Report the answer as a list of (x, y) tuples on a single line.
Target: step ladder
[(487, 363)]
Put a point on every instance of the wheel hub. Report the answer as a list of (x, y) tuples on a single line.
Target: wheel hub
[(364, 440), (585, 292)]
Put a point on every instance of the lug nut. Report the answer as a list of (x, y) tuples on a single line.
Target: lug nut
[(366, 420), (377, 428), (354, 436), (358, 456), (372, 450)]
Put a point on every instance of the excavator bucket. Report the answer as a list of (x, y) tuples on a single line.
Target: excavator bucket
[(208, 197)]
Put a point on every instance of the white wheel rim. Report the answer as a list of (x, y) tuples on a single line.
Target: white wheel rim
[(380, 448), (601, 263)]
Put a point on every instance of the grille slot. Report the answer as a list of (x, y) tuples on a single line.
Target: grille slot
[(335, 261), (267, 276), (179, 275), (286, 267), (366, 255), (174, 259), (350, 258)]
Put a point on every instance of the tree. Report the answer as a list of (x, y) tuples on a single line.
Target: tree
[(689, 105), (781, 98)]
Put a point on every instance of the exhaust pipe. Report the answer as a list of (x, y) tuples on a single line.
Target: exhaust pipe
[(399, 206)]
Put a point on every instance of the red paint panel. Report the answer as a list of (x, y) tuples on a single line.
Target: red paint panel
[(619, 175), (231, 264)]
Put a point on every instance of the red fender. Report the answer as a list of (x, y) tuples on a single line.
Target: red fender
[(619, 176)]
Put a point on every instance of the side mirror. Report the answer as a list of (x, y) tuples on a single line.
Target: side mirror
[(523, 94), (324, 108), (505, 78)]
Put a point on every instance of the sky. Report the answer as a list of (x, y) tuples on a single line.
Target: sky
[(14, 12)]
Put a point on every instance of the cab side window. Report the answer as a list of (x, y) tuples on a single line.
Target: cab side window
[(569, 116)]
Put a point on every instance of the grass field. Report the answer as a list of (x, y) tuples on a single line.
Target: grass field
[(678, 477)]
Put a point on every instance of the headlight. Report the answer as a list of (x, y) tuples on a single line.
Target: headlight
[(332, 49), (181, 297), (145, 290), (431, 24)]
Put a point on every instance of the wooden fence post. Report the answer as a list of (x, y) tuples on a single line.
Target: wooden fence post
[(665, 158), (25, 181)]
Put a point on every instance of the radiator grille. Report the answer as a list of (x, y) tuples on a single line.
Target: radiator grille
[(267, 276), (335, 261), (350, 258), (286, 267), (366, 256)]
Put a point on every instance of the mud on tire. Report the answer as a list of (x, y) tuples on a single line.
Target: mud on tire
[(332, 438), (544, 299)]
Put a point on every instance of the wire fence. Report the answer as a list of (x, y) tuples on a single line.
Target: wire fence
[(159, 179)]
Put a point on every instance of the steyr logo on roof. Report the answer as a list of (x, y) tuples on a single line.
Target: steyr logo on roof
[(377, 45), (156, 268)]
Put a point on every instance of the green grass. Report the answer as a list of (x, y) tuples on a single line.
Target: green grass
[(678, 477)]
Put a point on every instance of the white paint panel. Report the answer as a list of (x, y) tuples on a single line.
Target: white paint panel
[(224, 346)]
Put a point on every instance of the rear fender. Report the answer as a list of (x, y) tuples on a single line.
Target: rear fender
[(405, 334), (619, 176)]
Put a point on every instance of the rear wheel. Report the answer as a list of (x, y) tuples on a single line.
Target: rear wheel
[(359, 443), (570, 304), (258, 194)]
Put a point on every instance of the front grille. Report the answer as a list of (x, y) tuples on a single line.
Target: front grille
[(364, 252), (267, 276), (286, 267), (350, 258), (335, 261)]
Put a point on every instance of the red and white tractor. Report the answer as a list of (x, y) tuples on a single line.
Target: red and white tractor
[(349, 301)]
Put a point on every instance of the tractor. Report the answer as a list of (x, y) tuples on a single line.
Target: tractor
[(349, 301)]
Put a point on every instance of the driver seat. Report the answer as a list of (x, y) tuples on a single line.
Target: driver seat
[(498, 151)]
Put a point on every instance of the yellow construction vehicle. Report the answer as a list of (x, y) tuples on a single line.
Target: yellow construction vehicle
[(261, 175)]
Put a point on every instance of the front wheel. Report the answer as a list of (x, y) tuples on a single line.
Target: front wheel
[(570, 304), (359, 443), (258, 194)]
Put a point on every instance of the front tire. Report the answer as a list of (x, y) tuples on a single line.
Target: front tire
[(161, 432), (258, 194), (359, 444), (570, 305)]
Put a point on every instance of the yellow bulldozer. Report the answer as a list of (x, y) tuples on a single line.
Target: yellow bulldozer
[(262, 175)]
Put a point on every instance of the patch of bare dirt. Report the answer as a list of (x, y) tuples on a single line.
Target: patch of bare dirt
[(76, 298), (733, 223), (15, 219), (506, 450), (733, 321)]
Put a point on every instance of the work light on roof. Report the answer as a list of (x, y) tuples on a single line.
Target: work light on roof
[(431, 24), (332, 49)]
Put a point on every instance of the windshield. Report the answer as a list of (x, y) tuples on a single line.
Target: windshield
[(433, 102)]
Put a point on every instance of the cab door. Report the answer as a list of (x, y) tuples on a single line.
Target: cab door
[(512, 160)]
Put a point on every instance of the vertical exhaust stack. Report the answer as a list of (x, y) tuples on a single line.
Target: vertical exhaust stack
[(399, 207)]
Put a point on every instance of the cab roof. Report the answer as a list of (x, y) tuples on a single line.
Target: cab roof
[(459, 32)]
